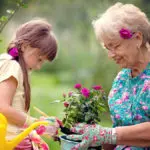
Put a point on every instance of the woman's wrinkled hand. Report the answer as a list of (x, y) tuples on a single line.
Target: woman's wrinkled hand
[(90, 135)]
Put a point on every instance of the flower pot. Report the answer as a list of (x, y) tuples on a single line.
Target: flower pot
[(68, 144)]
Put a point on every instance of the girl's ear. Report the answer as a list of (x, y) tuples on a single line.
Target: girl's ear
[(24, 47)]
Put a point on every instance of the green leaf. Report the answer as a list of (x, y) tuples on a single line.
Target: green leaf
[(4, 18), (10, 11), (24, 6)]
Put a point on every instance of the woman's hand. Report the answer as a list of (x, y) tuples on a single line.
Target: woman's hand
[(91, 135)]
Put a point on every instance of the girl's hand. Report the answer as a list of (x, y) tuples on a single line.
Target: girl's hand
[(93, 135), (50, 130)]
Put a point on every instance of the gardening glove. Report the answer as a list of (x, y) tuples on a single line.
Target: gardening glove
[(50, 130), (37, 141), (79, 128), (93, 135)]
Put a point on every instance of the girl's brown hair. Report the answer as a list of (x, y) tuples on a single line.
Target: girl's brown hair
[(38, 34)]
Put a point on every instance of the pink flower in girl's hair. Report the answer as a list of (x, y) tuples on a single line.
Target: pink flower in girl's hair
[(77, 86), (97, 87), (13, 52), (40, 130), (125, 33), (85, 92), (44, 146)]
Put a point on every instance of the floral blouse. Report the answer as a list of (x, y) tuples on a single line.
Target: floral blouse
[(129, 101)]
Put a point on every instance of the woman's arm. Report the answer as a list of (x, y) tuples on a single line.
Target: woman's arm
[(7, 92), (108, 146), (135, 135)]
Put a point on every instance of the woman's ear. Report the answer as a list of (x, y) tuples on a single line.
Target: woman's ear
[(139, 38)]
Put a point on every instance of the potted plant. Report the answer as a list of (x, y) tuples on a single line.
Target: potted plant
[(84, 106)]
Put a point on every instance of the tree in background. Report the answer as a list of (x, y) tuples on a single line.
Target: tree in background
[(8, 8), (80, 57)]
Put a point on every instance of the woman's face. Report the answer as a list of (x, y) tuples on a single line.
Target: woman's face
[(124, 52)]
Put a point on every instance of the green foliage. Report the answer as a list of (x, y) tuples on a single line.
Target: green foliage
[(15, 5), (46, 89), (84, 105)]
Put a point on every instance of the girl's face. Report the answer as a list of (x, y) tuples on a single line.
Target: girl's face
[(32, 57), (124, 52)]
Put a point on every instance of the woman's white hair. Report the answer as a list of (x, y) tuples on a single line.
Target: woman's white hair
[(121, 16)]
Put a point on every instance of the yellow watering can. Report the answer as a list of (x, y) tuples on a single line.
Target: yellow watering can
[(9, 145)]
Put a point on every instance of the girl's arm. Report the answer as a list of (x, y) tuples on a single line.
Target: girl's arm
[(135, 135), (7, 92)]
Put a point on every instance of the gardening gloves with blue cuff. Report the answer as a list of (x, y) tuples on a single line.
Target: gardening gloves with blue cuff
[(92, 135)]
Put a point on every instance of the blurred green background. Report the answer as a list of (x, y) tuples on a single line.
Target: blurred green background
[(80, 59)]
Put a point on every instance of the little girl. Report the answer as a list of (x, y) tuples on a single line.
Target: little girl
[(33, 44)]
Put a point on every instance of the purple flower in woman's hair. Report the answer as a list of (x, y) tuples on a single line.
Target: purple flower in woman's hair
[(77, 86), (126, 33), (85, 92), (97, 87), (13, 52)]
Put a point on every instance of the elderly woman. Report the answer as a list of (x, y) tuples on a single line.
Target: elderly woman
[(124, 31)]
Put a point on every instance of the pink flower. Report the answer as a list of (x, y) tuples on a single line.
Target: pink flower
[(66, 104), (125, 33), (64, 95), (86, 137), (44, 146), (70, 94), (97, 87), (13, 52), (144, 107), (125, 96), (95, 139), (102, 133), (119, 101), (146, 85), (134, 90), (77, 86), (117, 116), (138, 117), (85, 92), (40, 130), (112, 92), (144, 76)]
